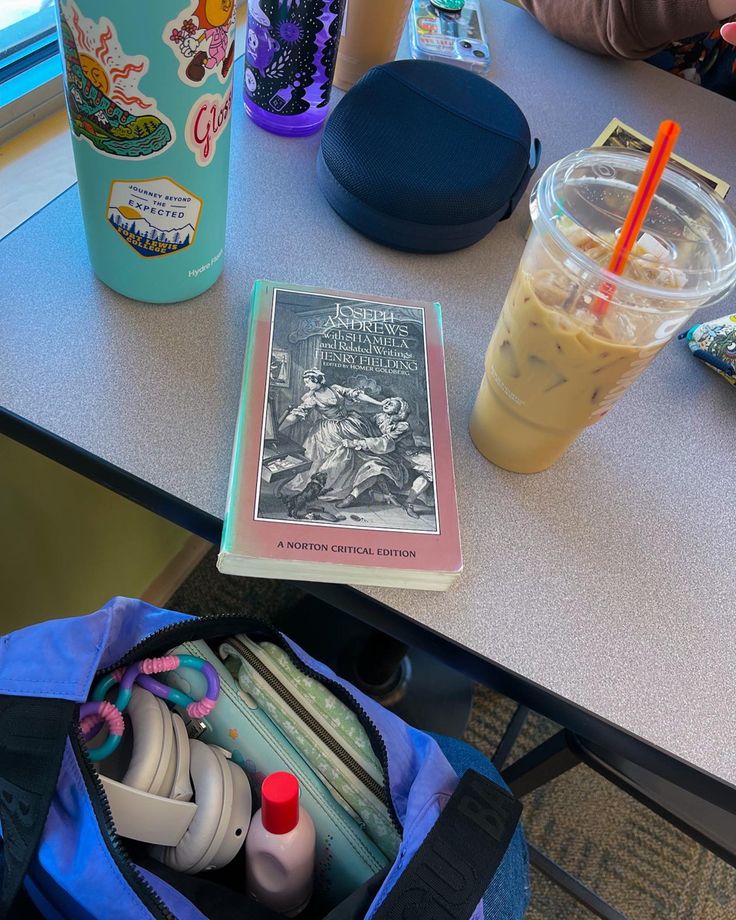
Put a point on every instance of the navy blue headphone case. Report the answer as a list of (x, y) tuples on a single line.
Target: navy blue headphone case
[(425, 157)]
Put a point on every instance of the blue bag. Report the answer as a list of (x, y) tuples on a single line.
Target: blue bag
[(462, 853)]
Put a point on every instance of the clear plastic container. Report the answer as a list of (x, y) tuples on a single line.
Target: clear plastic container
[(557, 361)]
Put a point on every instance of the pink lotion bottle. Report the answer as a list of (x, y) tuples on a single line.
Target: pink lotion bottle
[(279, 848)]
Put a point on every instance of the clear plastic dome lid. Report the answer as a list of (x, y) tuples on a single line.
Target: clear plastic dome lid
[(686, 250)]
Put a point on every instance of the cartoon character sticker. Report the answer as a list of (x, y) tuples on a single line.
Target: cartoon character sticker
[(106, 106), (262, 46), (156, 217), (715, 343), (203, 39)]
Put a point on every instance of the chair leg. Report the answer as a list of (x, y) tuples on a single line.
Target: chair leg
[(546, 762), (573, 886), (513, 729)]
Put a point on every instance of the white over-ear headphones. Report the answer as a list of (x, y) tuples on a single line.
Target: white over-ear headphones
[(223, 797), (159, 762), (164, 768)]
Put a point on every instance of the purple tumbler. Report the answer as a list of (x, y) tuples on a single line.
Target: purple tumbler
[(290, 58)]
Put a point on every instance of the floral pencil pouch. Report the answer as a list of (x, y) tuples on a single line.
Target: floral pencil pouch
[(326, 732)]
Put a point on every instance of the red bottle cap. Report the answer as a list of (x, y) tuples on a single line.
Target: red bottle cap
[(280, 803)]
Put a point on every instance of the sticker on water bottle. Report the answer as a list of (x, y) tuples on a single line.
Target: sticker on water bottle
[(106, 106), (156, 217), (206, 121), (284, 57), (202, 37)]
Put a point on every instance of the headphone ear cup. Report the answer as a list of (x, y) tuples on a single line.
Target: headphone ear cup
[(152, 763), (239, 818), (213, 794), (181, 787)]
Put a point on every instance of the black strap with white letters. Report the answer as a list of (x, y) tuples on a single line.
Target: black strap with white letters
[(450, 872)]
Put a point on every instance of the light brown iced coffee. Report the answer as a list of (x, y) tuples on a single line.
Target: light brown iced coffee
[(371, 34), (555, 365), (548, 376)]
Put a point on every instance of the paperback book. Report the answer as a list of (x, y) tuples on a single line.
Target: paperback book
[(342, 465)]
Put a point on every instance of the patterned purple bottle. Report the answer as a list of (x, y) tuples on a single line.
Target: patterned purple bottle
[(290, 58)]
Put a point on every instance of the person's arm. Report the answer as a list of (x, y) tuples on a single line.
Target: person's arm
[(355, 394), (628, 28), (364, 397), (380, 445), (385, 444), (298, 413)]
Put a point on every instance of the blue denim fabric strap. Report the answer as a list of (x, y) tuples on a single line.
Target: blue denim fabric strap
[(449, 873)]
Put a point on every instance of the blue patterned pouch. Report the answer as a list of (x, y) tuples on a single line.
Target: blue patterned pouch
[(715, 344)]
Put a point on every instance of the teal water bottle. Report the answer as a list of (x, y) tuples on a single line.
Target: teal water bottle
[(149, 95)]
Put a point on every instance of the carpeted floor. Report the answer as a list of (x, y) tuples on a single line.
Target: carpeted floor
[(632, 858), (635, 860)]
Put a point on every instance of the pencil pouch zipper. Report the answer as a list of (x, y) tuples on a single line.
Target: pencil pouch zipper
[(357, 776), (259, 746)]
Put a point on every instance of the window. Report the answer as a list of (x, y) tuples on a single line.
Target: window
[(30, 65), (27, 35)]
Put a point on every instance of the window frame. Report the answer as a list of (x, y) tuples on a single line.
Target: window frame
[(37, 90), (31, 85)]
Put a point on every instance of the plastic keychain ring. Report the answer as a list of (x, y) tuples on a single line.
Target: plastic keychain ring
[(95, 712), (140, 672)]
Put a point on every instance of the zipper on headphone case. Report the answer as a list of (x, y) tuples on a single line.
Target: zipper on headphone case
[(223, 627)]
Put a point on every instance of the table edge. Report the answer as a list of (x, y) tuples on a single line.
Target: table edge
[(387, 619)]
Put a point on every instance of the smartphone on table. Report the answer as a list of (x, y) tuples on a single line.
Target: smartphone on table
[(454, 35)]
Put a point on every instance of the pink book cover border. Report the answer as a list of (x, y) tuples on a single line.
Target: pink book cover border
[(259, 538)]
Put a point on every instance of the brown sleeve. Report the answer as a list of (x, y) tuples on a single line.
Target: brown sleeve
[(623, 28)]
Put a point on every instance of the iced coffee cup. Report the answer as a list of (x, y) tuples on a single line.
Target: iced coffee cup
[(371, 32), (571, 337)]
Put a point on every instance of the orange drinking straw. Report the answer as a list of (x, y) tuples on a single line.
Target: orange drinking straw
[(656, 163)]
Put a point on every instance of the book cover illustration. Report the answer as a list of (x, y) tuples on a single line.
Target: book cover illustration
[(346, 434)]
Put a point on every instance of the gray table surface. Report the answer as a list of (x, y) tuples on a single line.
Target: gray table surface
[(608, 580)]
